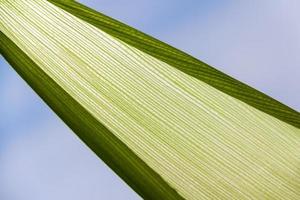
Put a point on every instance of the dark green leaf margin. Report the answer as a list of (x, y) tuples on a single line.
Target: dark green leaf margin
[(145, 181), (182, 61), (109, 148)]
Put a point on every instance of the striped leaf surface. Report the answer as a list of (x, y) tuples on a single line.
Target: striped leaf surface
[(171, 126)]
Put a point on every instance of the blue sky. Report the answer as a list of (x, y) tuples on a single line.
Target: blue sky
[(257, 42)]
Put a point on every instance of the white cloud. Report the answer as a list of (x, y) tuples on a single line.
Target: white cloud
[(15, 94), (148, 16), (134, 12), (40, 158), (51, 163), (255, 41)]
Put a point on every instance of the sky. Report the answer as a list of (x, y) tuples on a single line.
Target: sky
[(257, 42)]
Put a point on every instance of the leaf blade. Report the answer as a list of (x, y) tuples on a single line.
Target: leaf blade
[(183, 62), (184, 118)]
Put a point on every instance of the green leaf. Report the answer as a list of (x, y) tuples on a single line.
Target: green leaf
[(171, 126), (183, 62)]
